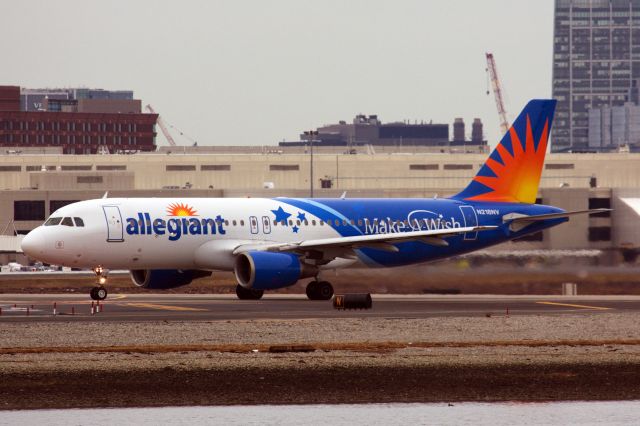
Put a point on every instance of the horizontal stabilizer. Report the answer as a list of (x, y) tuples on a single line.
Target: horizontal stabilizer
[(520, 221)]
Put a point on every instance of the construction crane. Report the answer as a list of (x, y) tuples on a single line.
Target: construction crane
[(163, 127), (497, 92)]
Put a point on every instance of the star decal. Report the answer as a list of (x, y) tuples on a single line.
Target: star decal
[(281, 215), (295, 229), (301, 217)]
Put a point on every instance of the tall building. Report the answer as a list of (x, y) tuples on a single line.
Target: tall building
[(613, 128), (596, 57)]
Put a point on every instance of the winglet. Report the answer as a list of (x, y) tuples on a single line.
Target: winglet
[(512, 172)]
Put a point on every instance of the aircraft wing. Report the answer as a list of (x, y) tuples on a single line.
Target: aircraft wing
[(376, 241), (520, 221)]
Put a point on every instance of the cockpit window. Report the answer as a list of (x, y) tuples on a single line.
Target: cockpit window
[(79, 221), (53, 221), (67, 221)]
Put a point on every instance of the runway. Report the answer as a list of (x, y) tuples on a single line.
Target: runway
[(188, 307)]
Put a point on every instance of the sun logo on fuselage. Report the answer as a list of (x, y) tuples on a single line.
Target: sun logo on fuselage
[(180, 209)]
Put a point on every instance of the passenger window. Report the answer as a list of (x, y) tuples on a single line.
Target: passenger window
[(78, 221), (53, 221), (67, 222)]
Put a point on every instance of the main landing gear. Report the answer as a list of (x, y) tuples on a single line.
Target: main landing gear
[(248, 293), (99, 292), (319, 290)]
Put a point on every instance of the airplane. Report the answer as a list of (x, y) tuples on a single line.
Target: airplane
[(271, 243)]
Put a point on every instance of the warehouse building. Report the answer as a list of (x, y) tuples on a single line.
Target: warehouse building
[(33, 186)]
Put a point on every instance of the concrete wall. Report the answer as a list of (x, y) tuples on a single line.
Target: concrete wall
[(427, 172)]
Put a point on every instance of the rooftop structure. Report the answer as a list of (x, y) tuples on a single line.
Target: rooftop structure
[(369, 130)]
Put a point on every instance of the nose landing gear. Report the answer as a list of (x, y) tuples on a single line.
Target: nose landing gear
[(99, 292)]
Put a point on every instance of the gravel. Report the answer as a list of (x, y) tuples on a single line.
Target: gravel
[(449, 329), (582, 356)]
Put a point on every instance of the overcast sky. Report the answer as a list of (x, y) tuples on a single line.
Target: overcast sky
[(257, 72)]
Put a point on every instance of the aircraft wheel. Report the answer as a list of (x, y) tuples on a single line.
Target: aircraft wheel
[(101, 293), (248, 293), (324, 290), (98, 293), (312, 290)]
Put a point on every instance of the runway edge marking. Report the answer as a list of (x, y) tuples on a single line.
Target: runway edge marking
[(570, 305), (164, 307)]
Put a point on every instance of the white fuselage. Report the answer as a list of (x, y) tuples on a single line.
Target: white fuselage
[(145, 233)]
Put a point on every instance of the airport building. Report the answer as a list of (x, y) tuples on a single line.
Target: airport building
[(596, 58), (33, 186), (79, 121)]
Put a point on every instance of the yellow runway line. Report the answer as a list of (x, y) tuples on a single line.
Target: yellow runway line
[(164, 307), (597, 308)]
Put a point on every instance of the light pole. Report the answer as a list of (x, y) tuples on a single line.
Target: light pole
[(310, 134)]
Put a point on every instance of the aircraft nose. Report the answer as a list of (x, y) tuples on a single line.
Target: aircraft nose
[(33, 243)]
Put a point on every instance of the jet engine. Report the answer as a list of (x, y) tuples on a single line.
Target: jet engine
[(165, 278), (263, 270)]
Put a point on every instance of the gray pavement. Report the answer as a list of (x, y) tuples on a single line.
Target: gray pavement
[(188, 307)]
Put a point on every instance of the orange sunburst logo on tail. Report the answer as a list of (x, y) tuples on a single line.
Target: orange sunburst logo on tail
[(180, 209), (517, 177)]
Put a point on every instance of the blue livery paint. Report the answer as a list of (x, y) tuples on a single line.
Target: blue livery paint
[(406, 215), (269, 271), (162, 279)]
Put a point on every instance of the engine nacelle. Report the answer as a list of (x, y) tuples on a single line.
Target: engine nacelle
[(165, 278), (265, 270)]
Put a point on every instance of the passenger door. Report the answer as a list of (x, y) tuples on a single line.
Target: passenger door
[(470, 219), (115, 233)]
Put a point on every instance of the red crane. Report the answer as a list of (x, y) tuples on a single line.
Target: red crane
[(163, 127), (497, 92)]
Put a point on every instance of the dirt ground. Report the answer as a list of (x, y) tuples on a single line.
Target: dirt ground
[(331, 383)]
